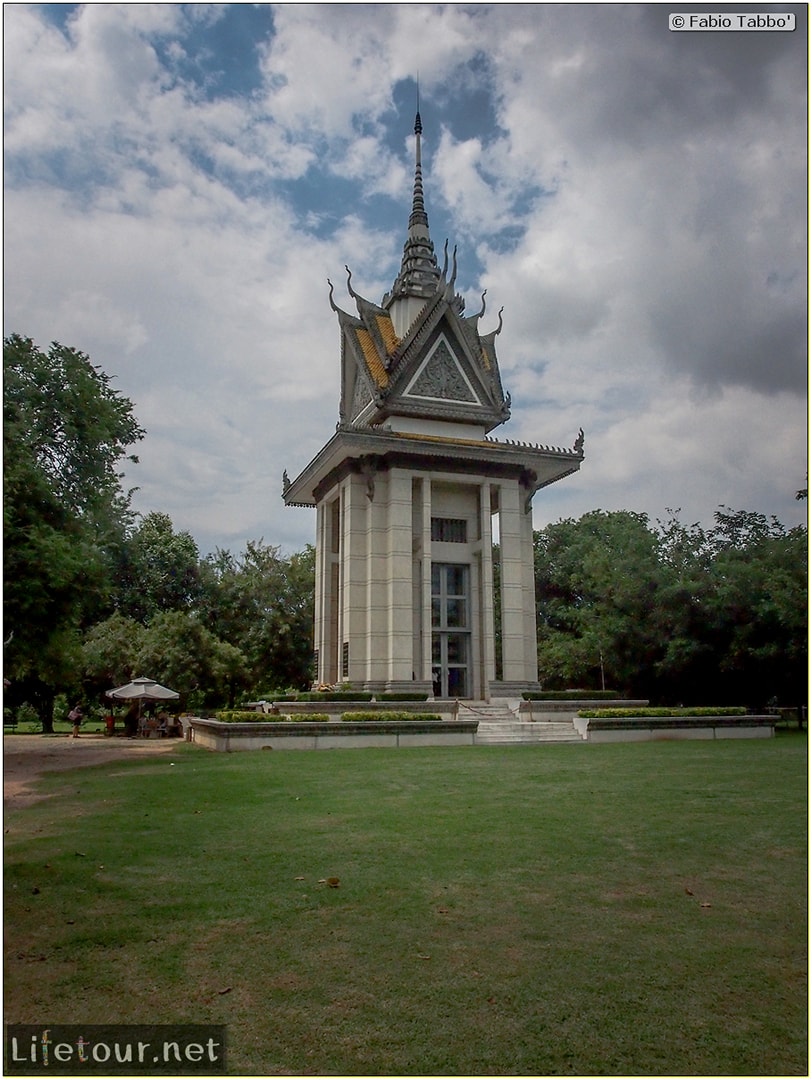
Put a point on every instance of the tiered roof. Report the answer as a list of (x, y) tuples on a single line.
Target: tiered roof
[(439, 367), (419, 381)]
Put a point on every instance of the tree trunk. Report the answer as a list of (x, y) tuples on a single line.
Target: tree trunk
[(44, 704)]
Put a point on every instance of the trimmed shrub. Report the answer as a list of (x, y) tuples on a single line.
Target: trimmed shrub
[(571, 695), (404, 695), (386, 717), (629, 714), (333, 695), (237, 716)]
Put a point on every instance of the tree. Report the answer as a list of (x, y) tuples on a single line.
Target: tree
[(759, 607), (596, 581), (156, 570), (676, 614), (688, 670), (183, 654), (66, 431), (262, 603), (110, 652)]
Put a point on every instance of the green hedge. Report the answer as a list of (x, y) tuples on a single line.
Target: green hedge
[(402, 695), (348, 695), (307, 718), (386, 717), (625, 714), (334, 695), (237, 716), (571, 695)]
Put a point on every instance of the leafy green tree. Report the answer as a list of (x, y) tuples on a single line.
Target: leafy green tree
[(66, 432), (109, 654), (262, 603), (677, 614), (759, 606), (597, 580), (179, 651), (157, 569)]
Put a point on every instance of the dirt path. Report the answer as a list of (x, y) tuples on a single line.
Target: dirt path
[(27, 757)]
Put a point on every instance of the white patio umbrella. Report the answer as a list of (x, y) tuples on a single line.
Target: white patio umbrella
[(142, 690)]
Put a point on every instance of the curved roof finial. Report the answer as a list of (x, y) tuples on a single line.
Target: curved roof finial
[(350, 289), (453, 270), (482, 309), (332, 302)]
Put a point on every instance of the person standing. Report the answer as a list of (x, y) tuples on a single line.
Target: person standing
[(76, 716)]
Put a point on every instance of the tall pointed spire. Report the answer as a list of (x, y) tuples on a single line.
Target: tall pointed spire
[(418, 215), (419, 273)]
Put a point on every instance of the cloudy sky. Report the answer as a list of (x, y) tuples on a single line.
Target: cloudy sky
[(181, 180)]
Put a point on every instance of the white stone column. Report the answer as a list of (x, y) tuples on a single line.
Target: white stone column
[(328, 554), (398, 546), (354, 578), (530, 631), (512, 584), (322, 590), (518, 672), (376, 585), (487, 620), (425, 584)]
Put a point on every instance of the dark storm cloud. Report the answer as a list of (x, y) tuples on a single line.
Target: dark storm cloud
[(641, 84), (708, 133)]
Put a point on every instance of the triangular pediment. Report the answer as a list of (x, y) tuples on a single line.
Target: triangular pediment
[(362, 396), (441, 377), (441, 369), (366, 341)]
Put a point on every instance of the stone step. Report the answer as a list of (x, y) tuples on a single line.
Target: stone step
[(518, 732), (486, 712), (498, 723)]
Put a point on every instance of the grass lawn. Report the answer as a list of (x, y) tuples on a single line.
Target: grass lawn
[(609, 909)]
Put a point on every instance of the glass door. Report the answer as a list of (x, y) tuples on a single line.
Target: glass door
[(450, 630)]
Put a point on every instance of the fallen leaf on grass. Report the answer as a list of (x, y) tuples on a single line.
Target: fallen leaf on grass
[(705, 905), (423, 956), (333, 882), (300, 878), (227, 990), (688, 892)]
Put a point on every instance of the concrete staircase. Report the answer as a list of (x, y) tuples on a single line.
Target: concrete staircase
[(499, 723)]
